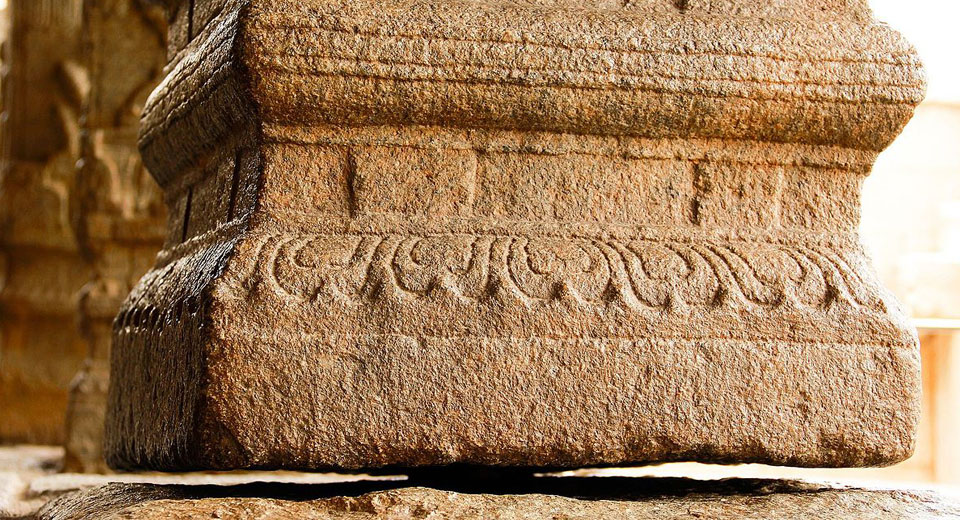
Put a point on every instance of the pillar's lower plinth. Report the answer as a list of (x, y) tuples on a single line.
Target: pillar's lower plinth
[(534, 245)]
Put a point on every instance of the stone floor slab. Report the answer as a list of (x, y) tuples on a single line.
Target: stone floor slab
[(507, 498)]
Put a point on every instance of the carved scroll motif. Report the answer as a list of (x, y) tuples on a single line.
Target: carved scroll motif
[(637, 273)]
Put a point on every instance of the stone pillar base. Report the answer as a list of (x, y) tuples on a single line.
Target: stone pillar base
[(421, 234)]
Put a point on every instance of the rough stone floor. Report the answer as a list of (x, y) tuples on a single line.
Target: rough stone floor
[(30, 487)]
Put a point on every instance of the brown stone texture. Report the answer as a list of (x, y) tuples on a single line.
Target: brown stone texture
[(118, 210), (40, 346), (565, 498), (32, 476), (510, 233)]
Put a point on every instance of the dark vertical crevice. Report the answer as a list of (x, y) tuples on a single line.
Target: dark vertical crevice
[(700, 188), (190, 20), (351, 176), (186, 215)]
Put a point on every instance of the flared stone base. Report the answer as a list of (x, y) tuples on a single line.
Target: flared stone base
[(308, 350), (371, 401)]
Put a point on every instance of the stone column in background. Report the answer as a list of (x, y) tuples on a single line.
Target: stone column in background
[(41, 348), (118, 209), (525, 233), (941, 355)]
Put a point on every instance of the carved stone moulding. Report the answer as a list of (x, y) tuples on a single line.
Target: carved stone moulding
[(502, 233)]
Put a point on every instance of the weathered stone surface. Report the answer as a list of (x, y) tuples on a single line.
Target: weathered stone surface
[(117, 209), (511, 233), (18, 466), (32, 476), (607, 498), (42, 272)]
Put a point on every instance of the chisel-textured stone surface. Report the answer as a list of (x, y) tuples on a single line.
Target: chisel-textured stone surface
[(606, 498), (511, 233)]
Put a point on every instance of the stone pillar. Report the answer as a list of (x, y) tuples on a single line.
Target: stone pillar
[(41, 348), (118, 209), (538, 233)]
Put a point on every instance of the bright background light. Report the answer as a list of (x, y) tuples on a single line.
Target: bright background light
[(911, 224), (932, 27)]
